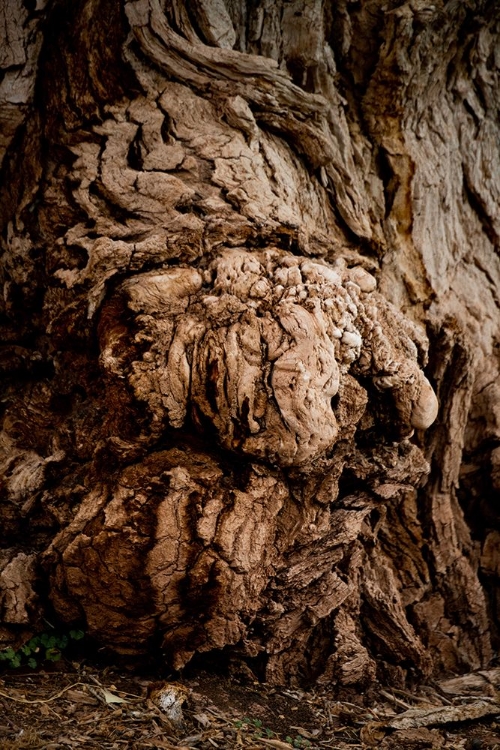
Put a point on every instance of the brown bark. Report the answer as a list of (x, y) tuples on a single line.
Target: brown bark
[(245, 246)]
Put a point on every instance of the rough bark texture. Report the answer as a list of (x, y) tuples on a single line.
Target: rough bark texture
[(244, 246)]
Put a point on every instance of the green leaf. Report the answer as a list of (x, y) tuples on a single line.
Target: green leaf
[(32, 663), (53, 654), (77, 635), (48, 641)]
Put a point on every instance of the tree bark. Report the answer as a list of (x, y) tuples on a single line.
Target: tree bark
[(250, 331)]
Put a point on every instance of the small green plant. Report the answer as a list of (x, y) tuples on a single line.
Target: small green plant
[(255, 726), (44, 647), (298, 742)]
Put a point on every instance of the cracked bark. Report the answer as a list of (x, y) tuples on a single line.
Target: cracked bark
[(250, 332)]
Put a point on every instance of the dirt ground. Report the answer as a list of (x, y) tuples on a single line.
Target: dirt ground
[(81, 706)]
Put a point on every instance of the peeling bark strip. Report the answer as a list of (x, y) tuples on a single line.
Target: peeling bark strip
[(250, 327)]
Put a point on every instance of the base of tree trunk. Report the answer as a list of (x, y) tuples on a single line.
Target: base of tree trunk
[(250, 333)]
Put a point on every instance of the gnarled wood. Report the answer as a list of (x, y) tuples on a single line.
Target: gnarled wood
[(250, 324)]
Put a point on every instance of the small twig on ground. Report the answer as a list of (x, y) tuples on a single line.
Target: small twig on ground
[(393, 699)]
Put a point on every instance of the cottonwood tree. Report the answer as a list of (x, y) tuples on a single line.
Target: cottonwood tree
[(250, 331)]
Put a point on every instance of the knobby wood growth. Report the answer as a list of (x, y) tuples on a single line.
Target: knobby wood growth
[(250, 331)]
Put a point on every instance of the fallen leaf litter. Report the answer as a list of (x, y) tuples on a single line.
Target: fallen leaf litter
[(113, 711)]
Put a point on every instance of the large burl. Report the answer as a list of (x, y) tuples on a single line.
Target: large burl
[(280, 360), (257, 346)]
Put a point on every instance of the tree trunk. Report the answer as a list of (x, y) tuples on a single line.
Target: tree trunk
[(245, 246)]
